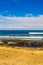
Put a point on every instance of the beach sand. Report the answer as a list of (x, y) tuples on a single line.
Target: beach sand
[(20, 56)]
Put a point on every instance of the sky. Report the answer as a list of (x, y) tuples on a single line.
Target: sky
[(21, 14)]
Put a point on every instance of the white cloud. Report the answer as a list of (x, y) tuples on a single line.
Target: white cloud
[(7, 22), (28, 15)]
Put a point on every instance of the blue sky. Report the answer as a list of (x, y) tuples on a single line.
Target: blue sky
[(21, 14), (21, 7)]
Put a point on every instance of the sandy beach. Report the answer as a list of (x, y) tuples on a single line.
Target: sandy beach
[(20, 56)]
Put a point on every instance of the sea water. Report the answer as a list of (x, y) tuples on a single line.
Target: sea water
[(21, 32)]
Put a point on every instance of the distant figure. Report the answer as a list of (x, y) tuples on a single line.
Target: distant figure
[(21, 42)]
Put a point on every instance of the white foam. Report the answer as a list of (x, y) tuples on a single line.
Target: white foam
[(22, 37), (35, 32)]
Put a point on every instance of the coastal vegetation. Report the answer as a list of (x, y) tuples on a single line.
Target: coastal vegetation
[(21, 43)]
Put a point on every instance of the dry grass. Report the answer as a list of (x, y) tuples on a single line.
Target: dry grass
[(20, 56)]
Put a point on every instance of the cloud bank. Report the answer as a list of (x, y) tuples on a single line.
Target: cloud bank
[(21, 23)]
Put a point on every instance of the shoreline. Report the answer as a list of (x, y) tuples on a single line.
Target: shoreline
[(33, 38)]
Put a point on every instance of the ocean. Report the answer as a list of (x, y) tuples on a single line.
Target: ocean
[(21, 32)]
